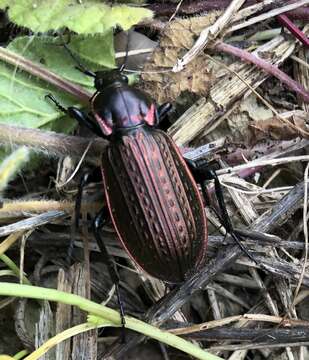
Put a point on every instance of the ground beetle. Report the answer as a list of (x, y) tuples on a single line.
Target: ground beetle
[(152, 196)]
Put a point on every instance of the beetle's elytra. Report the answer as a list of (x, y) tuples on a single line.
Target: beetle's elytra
[(155, 204)]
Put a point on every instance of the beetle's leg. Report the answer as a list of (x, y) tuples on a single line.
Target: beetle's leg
[(202, 173), (98, 223), (161, 116), (78, 115), (83, 181), (163, 110)]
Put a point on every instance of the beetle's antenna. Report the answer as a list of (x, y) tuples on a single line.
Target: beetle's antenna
[(79, 66), (122, 67)]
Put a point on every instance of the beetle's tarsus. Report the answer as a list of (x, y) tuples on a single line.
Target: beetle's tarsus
[(56, 102), (78, 115), (123, 320), (225, 218), (161, 116)]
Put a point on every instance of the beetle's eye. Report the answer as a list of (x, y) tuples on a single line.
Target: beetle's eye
[(124, 78), (99, 83)]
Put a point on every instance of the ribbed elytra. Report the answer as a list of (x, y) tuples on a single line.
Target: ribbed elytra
[(159, 214)]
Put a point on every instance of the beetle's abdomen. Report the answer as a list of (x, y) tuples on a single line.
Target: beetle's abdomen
[(155, 204)]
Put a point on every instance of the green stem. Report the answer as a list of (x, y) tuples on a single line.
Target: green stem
[(21, 354), (11, 265), (93, 308)]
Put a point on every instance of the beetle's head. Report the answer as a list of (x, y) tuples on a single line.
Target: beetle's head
[(104, 79)]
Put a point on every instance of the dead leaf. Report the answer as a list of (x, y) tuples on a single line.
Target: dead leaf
[(178, 38), (276, 129)]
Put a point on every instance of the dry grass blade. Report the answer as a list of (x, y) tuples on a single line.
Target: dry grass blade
[(269, 14), (33, 222)]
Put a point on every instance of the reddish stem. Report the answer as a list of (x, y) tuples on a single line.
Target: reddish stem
[(267, 67), (286, 22)]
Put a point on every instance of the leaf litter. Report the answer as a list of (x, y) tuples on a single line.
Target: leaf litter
[(241, 117)]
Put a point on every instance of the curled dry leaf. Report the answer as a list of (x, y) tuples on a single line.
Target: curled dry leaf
[(276, 129), (178, 38)]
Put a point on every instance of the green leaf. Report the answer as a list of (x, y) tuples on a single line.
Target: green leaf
[(94, 52), (23, 103), (88, 17), (22, 97), (97, 49)]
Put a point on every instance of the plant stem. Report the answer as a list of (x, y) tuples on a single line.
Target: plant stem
[(35, 292), (44, 74), (21, 354), (286, 22), (11, 265), (51, 143)]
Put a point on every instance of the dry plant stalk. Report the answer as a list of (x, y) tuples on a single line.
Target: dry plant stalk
[(51, 143), (252, 9), (302, 74), (84, 345), (64, 314), (14, 209), (32, 222)]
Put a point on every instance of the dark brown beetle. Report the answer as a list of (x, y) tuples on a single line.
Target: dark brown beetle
[(153, 200)]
